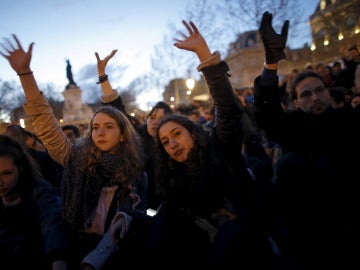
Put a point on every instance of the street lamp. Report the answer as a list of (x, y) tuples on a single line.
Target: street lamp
[(190, 83)]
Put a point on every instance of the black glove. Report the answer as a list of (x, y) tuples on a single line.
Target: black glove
[(274, 43)]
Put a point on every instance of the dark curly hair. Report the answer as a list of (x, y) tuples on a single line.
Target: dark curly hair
[(198, 158)]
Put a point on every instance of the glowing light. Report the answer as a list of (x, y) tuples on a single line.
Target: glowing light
[(326, 42), (340, 36), (22, 123), (313, 47), (172, 99), (190, 83)]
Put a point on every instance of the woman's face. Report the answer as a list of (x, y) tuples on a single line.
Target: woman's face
[(106, 133), (176, 140), (9, 175), (153, 121)]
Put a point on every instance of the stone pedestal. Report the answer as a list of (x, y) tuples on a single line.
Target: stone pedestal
[(75, 110)]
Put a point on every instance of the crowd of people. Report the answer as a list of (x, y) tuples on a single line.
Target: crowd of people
[(219, 194)]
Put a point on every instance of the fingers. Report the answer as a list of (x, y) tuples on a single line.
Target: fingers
[(113, 53), (5, 49), (18, 42), (194, 27), (9, 45), (30, 48), (264, 19), (97, 56), (188, 27), (285, 29), (182, 35)]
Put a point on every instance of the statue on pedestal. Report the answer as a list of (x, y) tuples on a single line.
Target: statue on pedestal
[(69, 74)]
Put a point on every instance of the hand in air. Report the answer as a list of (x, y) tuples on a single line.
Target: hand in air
[(13, 51), (194, 41), (274, 43), (101, 64)]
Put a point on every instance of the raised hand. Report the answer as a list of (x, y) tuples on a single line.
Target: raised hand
[(274, 43), (19, 59), (101, 64), (194, 41)]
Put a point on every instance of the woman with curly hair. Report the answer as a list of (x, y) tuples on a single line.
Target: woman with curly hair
[(102, 176), (211, 213)]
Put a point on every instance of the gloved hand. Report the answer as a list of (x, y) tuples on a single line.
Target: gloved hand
[(274, 43)]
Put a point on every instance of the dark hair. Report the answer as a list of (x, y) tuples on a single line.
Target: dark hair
[(161, 105), (302, 76), (353, 47), (17, 132), (73, 128), (197, 156), (338, 93), (28, 168)]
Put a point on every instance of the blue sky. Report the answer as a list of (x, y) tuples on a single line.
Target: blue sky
[(76, 29)]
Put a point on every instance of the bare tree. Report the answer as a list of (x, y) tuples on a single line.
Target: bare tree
[(220, 22), (246, 15), (11, 96)]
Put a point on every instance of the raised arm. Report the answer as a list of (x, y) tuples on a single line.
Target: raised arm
[(109, 95), (267, 98), (47, 128), (228, 111)]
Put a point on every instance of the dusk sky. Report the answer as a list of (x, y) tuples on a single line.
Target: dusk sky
[(76, 29)]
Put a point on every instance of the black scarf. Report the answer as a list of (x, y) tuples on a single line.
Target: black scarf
[(81, 192)]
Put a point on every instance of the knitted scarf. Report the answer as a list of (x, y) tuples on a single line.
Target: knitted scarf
[(80, 191)]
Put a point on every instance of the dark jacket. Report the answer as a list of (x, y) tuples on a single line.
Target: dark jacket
[(33, 232), (315, 178)]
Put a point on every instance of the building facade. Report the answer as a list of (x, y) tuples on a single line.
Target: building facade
[(335, 27)]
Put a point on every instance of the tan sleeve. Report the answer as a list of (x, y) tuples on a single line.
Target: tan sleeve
[(110, 97), (48, 129), (212, 61)]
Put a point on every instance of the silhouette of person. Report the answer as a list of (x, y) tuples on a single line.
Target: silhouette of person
[(69, 73)]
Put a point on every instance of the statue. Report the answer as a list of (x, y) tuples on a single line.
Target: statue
[(69, 73)]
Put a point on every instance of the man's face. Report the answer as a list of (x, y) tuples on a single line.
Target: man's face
[(312, 96)]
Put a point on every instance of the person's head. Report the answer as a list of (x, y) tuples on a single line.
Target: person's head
[(337, 95), (110, 129), (336, 67), (82, 129), (209, 114), (177, 136), (353, 52), (72, 132), (194, 116), (17, 169), (33, 142), (16, 132), (308, 67), (157, 113), (309, 93)]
